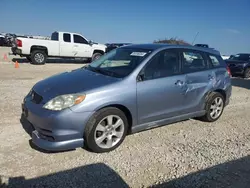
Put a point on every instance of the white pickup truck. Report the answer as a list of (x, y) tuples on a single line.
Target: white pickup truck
[(61, 45)]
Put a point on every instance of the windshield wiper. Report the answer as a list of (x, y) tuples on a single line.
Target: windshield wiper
[(103, 71)]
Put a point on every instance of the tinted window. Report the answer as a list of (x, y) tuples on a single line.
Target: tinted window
[(163, 64), (54, 36), (214, 61), (193, 62), (79, 39), (66, 37)]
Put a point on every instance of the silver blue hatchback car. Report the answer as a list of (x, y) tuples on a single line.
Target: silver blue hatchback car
[(130, 89)]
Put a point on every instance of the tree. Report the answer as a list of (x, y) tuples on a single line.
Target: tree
[(172, 40)]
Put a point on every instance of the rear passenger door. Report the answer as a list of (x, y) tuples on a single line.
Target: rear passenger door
[(199, 79), (160, 91)]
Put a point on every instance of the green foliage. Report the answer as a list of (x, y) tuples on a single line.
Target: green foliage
[(172, 40)]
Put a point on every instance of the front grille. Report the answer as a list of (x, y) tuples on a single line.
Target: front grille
[(35, 97)]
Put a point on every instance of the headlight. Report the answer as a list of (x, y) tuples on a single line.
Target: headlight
[(64, 101)]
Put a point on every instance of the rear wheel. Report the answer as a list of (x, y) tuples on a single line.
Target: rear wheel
[(38, 57), (106, 130), (247, 73), (214, 107)]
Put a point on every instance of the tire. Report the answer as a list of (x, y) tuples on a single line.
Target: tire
[(38, 57), (92, 131), (247, 73), (96, 56), (29, 58), (208, 107)]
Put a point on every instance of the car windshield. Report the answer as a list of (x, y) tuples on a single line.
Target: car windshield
[(241, 57), (120, 62)]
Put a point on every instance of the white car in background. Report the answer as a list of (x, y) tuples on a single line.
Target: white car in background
[(224, 57), (61, 45)]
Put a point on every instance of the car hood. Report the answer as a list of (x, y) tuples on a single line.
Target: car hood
[(76, 81)]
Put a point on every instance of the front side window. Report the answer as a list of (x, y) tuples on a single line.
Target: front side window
[(120, 62), (66, 37), (79, 39), (163, 64), (193, 62)]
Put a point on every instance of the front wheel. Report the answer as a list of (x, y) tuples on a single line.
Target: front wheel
[(38, 57), (96, 56), (214, 107), (106, 130), (247, 73)]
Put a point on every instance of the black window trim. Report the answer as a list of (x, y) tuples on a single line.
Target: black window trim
[(203, 54), (145, 66)]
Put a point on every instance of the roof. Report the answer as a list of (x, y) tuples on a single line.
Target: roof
[(166, 46)]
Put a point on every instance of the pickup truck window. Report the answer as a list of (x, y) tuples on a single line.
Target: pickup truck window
[(79, 39), (66, 37), (54, 36)]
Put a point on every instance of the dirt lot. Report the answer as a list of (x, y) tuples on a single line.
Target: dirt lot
[(186, 154)]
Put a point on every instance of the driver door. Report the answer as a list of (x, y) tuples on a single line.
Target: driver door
[(81, 47)]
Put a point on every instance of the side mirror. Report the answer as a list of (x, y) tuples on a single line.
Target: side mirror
[(90, 42), (140, 77)]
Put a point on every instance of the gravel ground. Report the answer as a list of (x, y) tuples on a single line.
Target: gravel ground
[(185, 154)]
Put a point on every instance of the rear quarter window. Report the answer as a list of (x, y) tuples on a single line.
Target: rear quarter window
[(54, 36), (216, 61)]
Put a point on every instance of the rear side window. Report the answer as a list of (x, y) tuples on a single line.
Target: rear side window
[(193, 62), (66, 37), (79, 39), (54, 36)]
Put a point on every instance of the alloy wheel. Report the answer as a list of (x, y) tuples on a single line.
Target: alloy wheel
[(109, 131), (216, 107)]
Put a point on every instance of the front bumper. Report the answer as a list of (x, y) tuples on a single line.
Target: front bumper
[(55, 146), (54, 131)]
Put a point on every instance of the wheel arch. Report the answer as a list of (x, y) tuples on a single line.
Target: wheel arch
[(42, 48), (221, 91), (98, 51), (124, 109)]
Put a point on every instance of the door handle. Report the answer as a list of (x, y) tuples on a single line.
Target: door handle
[(210, 77), (179, 83)]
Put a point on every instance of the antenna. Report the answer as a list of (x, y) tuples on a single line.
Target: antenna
[(195, 37)]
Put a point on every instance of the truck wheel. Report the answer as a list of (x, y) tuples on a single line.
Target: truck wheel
[(38, 57), (96, 56), (247, 73)]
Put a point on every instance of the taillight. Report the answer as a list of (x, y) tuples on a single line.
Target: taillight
[(19, 43), (228, 71)]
